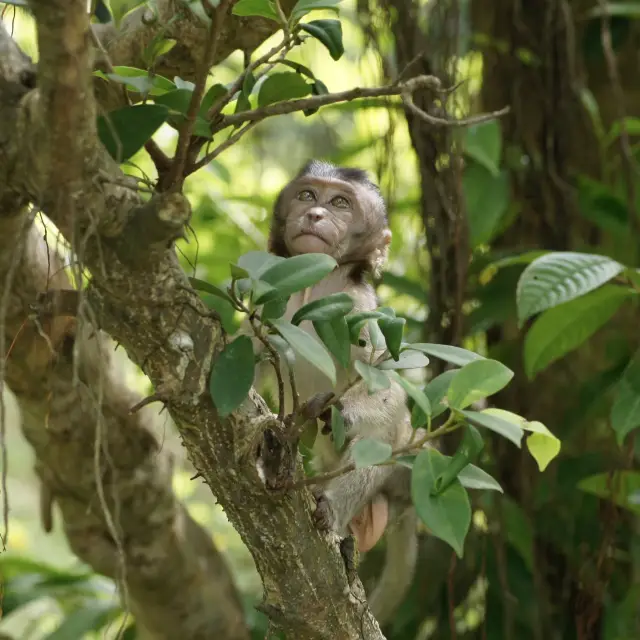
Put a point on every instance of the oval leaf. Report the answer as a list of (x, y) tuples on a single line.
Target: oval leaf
[(470, 446), (367, 452), (337, 304), (375, 379), (477, 380), (436, 392), (124, 131), (302, 7), (299, 272), (329, 32), (308, 347), (264, 8), (488, 419), (473, 477), (417, 395), (335, 336), (561, 329), (542, 444), (408, 360), (454, 355), (447, 515), (283, 86), (392, 329), (232, 375), (559, 277), (201, 285)]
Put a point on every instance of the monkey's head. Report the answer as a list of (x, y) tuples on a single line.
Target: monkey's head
[(332, 210)]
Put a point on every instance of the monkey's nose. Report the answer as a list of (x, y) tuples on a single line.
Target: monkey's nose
[(316, 214)]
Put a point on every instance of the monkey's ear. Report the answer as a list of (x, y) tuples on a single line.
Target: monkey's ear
[(386, 237)]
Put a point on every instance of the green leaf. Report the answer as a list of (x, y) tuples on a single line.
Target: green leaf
[(408, 360), (625, 413), (436, 392), (178, 100), (138, 80), (124, 131), (335, 336), (263, 8), (255, 263), (368, 452), (264, 292), (618, 486), (329, 32), (274, 308), (91, 617), (392, 329), (306, 346), (559, 277), (542, 444), (283, 348), (376, 337), (214, 93), (454, 355), (477, 380), (158, 46), (486, 202), (470, 446), (232, 375), (483, 143), (243, 103), (417, 395), (337, 429), (357, 321), (323, 309), (447, 515), (473, 477), (488, 420), (201, 285), (299, 272), (283, 86), (631, 125), (375, 379), (564, 328), (302, 7)]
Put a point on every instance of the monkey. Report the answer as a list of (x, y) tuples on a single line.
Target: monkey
[(341, 212)]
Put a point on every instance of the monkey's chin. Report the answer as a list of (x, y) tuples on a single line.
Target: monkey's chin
[(308, 243)]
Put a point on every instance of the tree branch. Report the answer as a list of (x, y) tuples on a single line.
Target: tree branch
[(171, 335)]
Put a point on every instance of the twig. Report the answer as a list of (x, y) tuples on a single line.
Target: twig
[(325, 477), (230, 141), (302, 104), (176, 171)]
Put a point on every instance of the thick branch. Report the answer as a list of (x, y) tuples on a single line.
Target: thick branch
[(169, 332)]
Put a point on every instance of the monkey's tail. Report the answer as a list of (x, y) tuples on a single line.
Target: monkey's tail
[(399, 566)]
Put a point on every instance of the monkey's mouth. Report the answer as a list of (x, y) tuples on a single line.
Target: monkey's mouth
[(314, 234)]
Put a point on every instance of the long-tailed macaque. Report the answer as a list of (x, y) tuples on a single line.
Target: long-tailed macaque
[(340, 212)]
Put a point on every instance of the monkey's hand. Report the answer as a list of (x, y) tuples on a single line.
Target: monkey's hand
[(324, 516)]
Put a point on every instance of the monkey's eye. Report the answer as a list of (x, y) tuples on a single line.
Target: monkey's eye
[(306, 195), (341, 202)]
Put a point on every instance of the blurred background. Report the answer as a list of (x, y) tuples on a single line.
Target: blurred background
[(558, 555)]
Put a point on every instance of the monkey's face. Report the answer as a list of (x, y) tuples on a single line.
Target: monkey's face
[(323, 216)]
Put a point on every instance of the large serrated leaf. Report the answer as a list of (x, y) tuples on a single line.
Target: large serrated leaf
[(559, 277), (564, 328), (447, 515), (308, 347), (232, 375), (476, 380)]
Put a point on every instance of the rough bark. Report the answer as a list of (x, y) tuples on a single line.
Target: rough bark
[(140, 296)]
